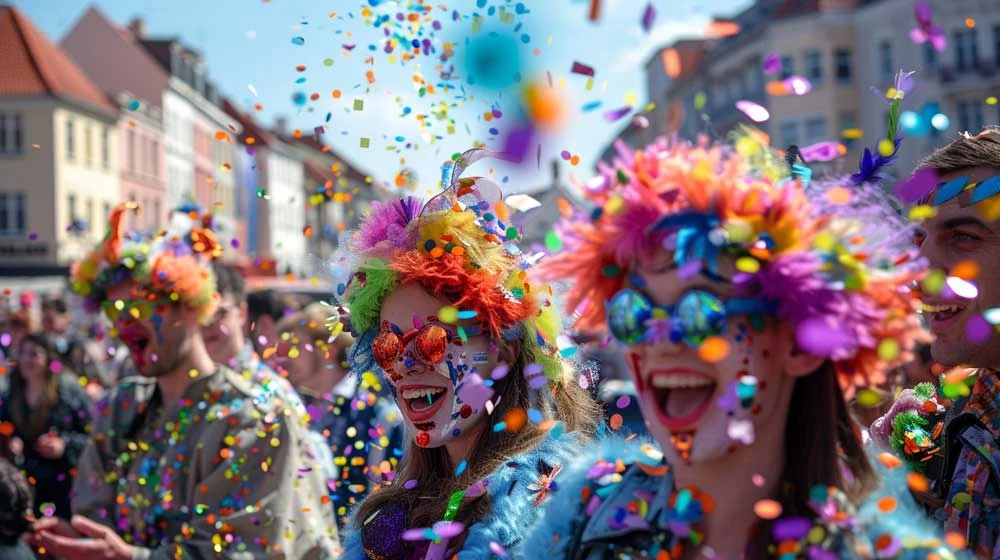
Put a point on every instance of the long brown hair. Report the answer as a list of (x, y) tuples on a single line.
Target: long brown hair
[(822, 447), (432, 468), (33, 423)]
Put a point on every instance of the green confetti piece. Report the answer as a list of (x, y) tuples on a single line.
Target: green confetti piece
[(552, 241), (365, 142), (359, 104), (511, 233), (327, 62), (611, 271), (462, 335), (622, 177)]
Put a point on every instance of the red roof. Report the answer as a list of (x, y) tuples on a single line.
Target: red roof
[(33, 65)]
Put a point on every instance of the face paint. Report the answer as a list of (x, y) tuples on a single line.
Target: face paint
[(480, 358), (682, 442)]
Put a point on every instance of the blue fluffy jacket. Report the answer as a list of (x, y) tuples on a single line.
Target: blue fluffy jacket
[(513, 511)]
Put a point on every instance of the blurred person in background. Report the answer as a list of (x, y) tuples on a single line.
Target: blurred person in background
[(57, 322), (50, 416), (264, 310), (16, 325), (359, 425), (225, 335), (15, 513)]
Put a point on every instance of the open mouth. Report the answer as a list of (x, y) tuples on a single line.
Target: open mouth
[(941, 317), (422, 403), (682, 397), (136, 341)]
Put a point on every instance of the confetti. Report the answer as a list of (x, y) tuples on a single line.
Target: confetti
[(648, 17), (617, 114), (298, 41), (755, 111), (365, 142), (582, 69), (767, 509)]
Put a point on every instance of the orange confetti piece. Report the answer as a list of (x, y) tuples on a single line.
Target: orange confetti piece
[(955, 540), (889, 460), (887, 504), (616, 421), (370, 75), (514, 420), (336, 94), (767, 509), (917, 482), (966, 270), (839, 196), (565, 208), (714, 349), (221, 135)]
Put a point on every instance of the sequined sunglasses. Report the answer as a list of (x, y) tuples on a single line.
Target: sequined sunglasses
[(697, 315), (430, 343)]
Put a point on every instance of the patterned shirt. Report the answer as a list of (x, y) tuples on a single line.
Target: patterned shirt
[(972, 507)]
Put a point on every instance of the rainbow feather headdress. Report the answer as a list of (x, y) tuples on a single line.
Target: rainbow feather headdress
[(833, 258), (458, 247), (171, 266)]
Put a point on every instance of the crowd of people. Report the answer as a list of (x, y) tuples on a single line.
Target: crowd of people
[(757, 362)]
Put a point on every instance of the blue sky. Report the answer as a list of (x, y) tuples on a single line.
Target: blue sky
[(251, 54)]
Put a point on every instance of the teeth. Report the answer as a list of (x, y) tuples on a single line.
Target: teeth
[(420, 393), (941, 308), (680, 381)]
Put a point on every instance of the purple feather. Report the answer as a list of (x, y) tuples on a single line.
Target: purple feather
[(386, 225)]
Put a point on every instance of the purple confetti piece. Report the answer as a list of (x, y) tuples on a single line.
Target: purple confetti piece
[(532, 369), (612, 116), (473, 392), (648, 17), (772, 63), (413, 535), (822, 151), (978, 329), (537, 382), (689, 269), (582, 69), (499, 372), (919, 185), (517, 142), (410, 484), (497, 549)]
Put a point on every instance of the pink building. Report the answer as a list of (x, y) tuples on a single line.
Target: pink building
[(204, 180), (111, 57), (143, 177)]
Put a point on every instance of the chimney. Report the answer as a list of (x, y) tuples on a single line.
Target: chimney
[(281, 126), (138, 27)]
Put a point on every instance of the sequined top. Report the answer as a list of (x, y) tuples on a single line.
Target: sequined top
[(620, 501), (972, 444), (223, 473)]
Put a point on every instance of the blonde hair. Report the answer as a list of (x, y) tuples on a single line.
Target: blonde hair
[(967, 151)]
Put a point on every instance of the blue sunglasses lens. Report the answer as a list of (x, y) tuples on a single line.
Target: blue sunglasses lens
[(700, 315), (627, 314)]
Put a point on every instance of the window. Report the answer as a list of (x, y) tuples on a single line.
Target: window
[(789, 133), (996, 44), (107, 211), (787, 66), (970, 117), (814, 66), (930, 56), (71, 200), (12, 214), (131, 151), (144, 162), (847, 121), (90, 214), (966, 50), (753, 76), (885, 59), (106, 148), (815, 129), (70, 148), (10, 133), (155, 170), (843, 62), (88, 146), (156, 213)]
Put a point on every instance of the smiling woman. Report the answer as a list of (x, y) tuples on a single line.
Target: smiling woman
[(440, 305)]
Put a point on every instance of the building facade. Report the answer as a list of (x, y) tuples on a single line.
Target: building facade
[(143, 177), (58, 153)]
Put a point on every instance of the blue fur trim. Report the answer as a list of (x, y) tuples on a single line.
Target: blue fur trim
[(564, 510), (513, 507), (908, 521), (359, 354)]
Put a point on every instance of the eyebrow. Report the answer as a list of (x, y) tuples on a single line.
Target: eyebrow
[(953, 223)]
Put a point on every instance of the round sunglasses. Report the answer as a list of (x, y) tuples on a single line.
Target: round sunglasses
[(135, 308), (696, 316), (430, 344)]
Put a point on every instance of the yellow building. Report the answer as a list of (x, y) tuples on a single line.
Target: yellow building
[(58, 168)]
